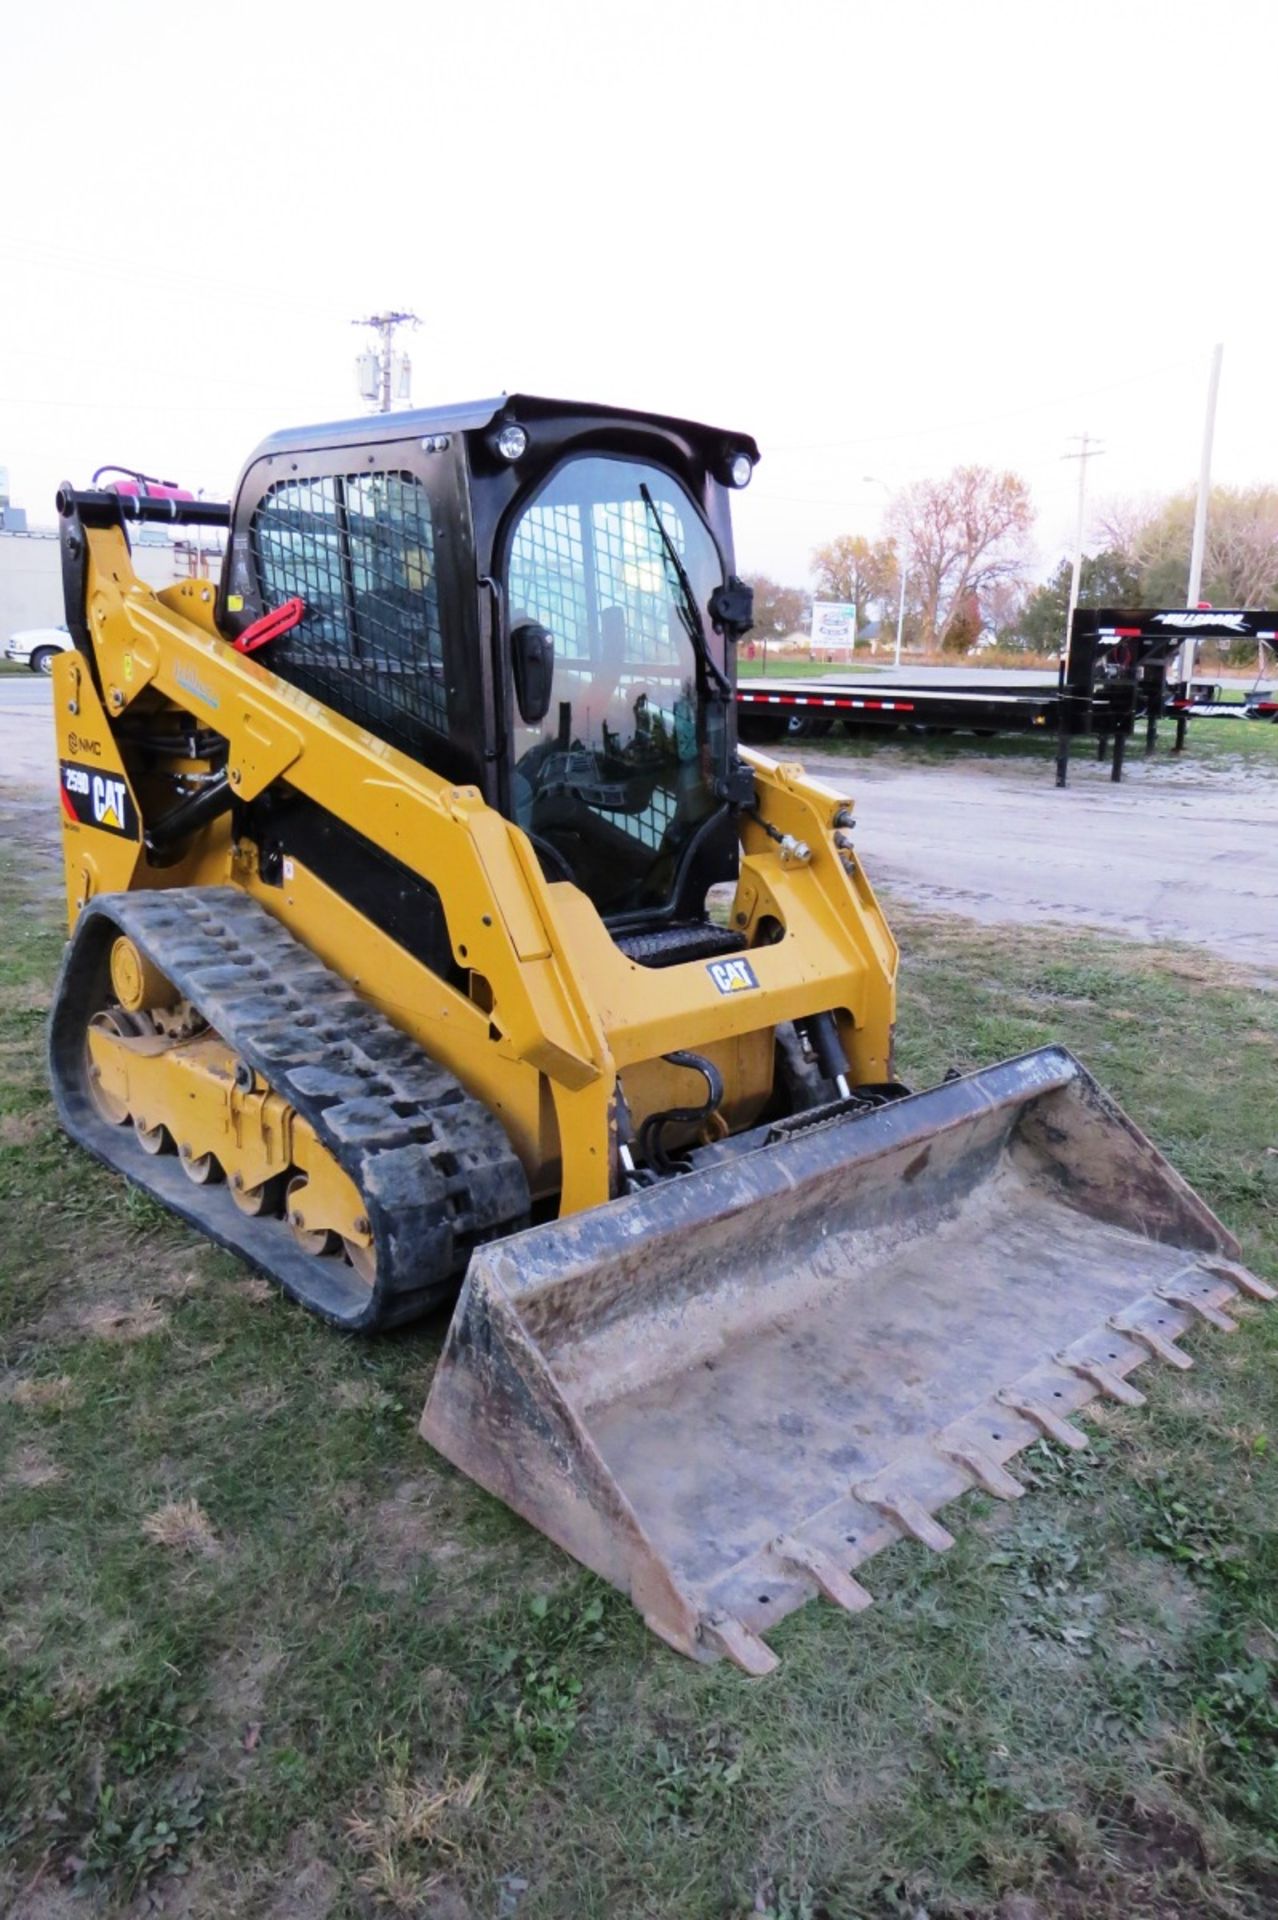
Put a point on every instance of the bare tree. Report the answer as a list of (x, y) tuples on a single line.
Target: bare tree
[(962, 535), (1240, 563), (1243, 545), (1118, 523), (1002, 604)]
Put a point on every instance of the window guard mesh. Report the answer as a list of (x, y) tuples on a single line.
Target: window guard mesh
[(568, 576), (359, 551)]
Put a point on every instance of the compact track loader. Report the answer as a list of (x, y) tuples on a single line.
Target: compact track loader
[(429, 930)]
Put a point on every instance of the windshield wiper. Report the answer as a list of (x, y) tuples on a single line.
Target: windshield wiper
[(689, 611)]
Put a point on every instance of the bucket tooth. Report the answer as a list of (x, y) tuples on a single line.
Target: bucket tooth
[(826, 1575), (1198, 1303), (1103, 1378), (727, 1635), (1155, 1343), (1049, 1423), (989, 1474), (909, 1516), (1242, 1278)]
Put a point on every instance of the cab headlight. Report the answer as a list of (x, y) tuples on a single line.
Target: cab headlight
[(511, 441)]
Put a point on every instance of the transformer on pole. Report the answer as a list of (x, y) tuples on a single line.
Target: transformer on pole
[(382, 375)]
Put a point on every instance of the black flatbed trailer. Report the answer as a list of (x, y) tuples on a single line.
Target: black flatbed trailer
[(766, 708), (1113, 677)]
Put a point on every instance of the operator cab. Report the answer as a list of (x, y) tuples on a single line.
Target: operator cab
[(534, 597)]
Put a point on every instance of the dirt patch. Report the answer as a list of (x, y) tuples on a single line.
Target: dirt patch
[(402, 1530), (33, 1467), (1150, 1870), (419, 1528), (238, 1684), (117, 1316), (122, 1290), (176, 1286), (121, 1320), (253, 1289), (1157, 1587), (21, 1129), (1261, 1643), (1153, 1840), (56, 1395), (309, 1893), (46, 1902)]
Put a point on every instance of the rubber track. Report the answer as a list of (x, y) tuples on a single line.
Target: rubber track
[(434, 1167)]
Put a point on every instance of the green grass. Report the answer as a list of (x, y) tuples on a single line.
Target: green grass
[(346, 1681), (1213, 746), (778, 667), (1251, 743)]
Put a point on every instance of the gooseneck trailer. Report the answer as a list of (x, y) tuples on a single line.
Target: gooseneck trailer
[(1114, 676)]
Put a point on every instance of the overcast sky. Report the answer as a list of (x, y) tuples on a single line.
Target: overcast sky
[(882, 238)]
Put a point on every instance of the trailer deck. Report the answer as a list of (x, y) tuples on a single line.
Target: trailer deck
[(1113, 675)]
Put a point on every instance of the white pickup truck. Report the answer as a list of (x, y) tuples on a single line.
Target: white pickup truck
[(37, 647)]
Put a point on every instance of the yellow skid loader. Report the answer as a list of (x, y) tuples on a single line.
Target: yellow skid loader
[(429, 929)]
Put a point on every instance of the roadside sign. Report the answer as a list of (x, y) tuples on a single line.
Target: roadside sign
[(833, 626)]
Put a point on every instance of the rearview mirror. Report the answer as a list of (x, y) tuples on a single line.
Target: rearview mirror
[(532, 657)]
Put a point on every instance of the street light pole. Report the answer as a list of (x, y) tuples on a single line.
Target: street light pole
[(900, 612), (1194, 595), (1088, 449)]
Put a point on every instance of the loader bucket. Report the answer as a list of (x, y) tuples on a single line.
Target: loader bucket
[(727, 1392)]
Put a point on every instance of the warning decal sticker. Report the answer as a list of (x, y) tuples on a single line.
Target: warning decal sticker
[(94, 799)]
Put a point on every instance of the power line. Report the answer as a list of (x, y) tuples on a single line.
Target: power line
[(981, 420)]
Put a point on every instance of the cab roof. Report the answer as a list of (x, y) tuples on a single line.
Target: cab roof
[(473, 416)]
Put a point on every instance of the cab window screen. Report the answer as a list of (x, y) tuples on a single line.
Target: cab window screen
[(359, 551), (619, 776)]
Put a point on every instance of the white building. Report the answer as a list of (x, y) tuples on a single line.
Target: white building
[(31, 570)]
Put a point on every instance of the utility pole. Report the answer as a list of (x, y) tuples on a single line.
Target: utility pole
[(384, 325), (1087, 450), (1194, 594), (900, 611)]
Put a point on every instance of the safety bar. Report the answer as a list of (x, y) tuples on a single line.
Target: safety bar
[(98, 507)]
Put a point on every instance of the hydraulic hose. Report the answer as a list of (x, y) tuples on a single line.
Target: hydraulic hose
[(650, 1142)]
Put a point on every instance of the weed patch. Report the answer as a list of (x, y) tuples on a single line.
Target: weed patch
[(532, 1699)]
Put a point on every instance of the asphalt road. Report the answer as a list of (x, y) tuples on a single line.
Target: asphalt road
[(1175, 853)]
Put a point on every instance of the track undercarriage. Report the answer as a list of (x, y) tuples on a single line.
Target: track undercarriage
[(204, 1053)]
